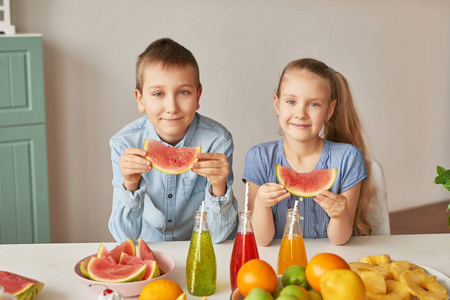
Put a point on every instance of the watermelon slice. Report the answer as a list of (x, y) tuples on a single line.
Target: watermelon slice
[(144, 252), (306, 184), (170, 160), (100, 269), (22, 288), (153, 270), (83, 266), (128, 247), (103, 253)]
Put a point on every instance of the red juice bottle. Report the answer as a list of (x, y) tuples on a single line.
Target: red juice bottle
[(244, 248)]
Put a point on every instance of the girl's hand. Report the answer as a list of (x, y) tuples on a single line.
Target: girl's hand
[(270, 194), (334, 204), (216, 168), (132, 164)]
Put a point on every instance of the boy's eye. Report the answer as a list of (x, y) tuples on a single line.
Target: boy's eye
[(184, 92), (157, 94)]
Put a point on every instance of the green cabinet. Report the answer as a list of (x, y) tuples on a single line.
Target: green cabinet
[(24, 208)]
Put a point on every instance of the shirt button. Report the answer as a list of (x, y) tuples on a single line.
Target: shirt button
[(301, 218), (170, 196), (301, 198), (170, 220)]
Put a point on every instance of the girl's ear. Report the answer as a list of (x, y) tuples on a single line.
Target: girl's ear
[(276, 103), (331, 109), (140, 101)]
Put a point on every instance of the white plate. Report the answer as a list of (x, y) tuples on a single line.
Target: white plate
[(128, 289)]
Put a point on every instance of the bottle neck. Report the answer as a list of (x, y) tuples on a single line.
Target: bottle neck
[(201, 222), (245, 222)]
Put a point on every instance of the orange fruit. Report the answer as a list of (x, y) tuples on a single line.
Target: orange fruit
[(256, 273), (321, 263), (161, 289)]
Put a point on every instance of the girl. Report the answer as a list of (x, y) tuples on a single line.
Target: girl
[(322, 130)]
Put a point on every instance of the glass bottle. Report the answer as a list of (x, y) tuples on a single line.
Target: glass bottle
[(292, 248), (244, 248), (201, 268)]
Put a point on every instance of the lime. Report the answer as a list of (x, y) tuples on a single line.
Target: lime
[(295, 290), (259, 294), (295, 275), (314, 295), (288, 297)]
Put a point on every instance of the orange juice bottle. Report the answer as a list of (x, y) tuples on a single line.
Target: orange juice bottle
[(292, 248)]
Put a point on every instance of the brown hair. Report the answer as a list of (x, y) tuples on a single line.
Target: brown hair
[(168, 53), (343, 127)]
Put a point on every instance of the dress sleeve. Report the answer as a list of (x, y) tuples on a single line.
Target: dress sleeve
[(255, 169), (353, 169), (222, 211)]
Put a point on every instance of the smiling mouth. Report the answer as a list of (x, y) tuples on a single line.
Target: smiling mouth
[(172, 120), (300, 125)]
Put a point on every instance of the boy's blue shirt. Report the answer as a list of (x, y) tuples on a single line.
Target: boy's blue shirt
[(260, 168), (163, 207)]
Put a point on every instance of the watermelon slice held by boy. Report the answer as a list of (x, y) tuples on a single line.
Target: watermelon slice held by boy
[(170, 160)]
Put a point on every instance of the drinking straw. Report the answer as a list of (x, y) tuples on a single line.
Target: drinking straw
[(201, 216), (246, 207), (292, 219)]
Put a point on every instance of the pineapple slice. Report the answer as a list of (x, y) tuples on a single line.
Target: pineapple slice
[(359, 268), (395, 291), (422, 285), (398, 267), (373, 282), (376, 259)]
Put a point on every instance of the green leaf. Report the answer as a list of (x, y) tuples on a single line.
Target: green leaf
[(448, 208), (447, 185), (440, 170), (442, 178)]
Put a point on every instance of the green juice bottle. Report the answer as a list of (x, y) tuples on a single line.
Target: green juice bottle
[(201, 268)]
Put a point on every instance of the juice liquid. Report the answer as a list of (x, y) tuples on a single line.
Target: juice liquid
[(292, 253), (244, 249), (201, 269)]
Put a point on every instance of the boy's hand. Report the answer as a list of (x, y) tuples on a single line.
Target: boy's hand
[(132, 164), (214, 166), (270, 194), (334, 204)]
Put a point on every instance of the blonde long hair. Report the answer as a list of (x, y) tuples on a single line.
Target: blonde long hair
[(343, 127)]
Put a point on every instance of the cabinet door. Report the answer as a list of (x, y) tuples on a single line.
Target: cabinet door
[(21, 81), (24, 211)]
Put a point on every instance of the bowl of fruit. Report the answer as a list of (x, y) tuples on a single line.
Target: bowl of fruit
[(126, 269)]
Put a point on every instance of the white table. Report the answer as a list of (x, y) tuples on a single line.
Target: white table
[(54, 264)]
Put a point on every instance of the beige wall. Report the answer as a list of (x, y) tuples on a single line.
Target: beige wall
[(395, 55)]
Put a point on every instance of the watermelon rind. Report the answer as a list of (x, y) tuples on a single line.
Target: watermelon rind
[(173, 171), (28, 291), (112, 273), (296, 189)]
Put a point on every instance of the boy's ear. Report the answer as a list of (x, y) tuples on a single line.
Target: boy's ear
[(276, 103), (199, 93), (331, 109), (140, 101)]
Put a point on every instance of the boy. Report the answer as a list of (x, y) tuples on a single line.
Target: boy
[(158, 206)]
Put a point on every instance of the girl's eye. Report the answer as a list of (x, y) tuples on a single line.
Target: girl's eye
[(157, 94), (314, 104), (290, 101)]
